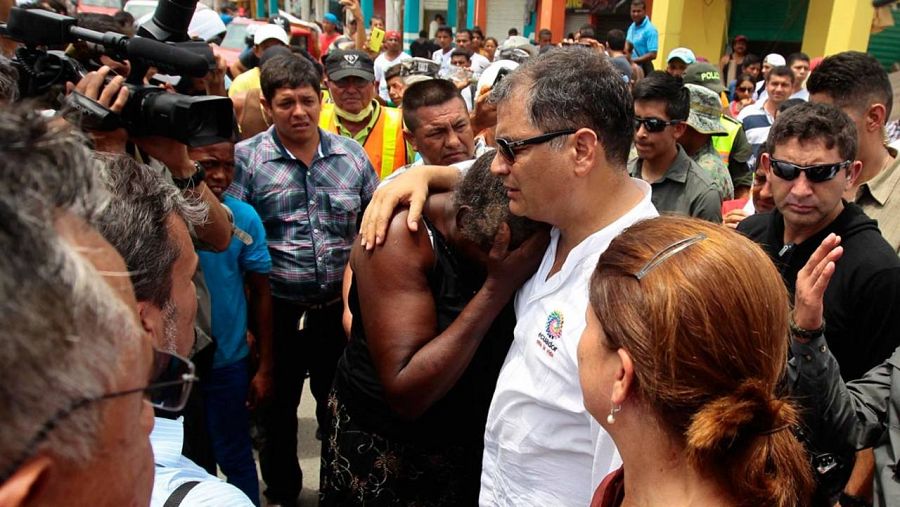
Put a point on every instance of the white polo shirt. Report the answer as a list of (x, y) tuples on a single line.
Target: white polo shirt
[(541, 446)]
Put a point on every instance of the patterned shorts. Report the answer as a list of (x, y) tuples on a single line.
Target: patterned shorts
[(364, 468)]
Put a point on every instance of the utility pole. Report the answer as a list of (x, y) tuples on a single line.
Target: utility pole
[(462, 10)]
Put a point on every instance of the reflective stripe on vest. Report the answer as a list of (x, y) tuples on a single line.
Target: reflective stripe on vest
[(393, 122), (380, 148), (723, 144)]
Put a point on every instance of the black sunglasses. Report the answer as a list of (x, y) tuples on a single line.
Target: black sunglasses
[(814, 173), (508, 148), (169, 388), (653, 125), (745, 88)]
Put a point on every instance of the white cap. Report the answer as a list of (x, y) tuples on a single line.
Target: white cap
[(270, 31), (775, 60), (489, 75), (206, 24)]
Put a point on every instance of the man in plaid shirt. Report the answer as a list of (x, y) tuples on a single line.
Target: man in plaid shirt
[(308, 187)]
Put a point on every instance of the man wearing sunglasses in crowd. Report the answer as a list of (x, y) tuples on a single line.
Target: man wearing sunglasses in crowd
[(810, 161), (147, 221), (680, 185)]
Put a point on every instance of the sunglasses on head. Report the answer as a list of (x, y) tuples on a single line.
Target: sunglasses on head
[(814, 173), (508, 148), (653, 125)]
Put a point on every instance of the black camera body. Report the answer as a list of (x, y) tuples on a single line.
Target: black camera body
[(150, 110)]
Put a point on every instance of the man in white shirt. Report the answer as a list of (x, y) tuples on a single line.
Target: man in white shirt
[(565, 121), (562, 126), (392, 55), (441, 56), (478, 62)]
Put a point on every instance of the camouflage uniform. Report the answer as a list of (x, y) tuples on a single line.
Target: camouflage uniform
[(708, 158)]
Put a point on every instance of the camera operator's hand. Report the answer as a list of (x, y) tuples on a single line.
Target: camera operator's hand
[(215, 79), (172, 154), (113, 96)]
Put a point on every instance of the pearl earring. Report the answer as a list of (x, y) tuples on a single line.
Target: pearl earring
[(611, 418)]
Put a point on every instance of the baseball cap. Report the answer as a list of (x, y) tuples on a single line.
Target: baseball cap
[(704, 74), (266, 32), (331, 18), (349, 63), (706, 109), (419, 67), (683, 54), (393, 34), (489, 75), (519, 42), (775, 60), (740, 37)]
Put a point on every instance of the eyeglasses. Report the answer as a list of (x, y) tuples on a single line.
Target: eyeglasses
[(814, 173), (653, 125), (667, 252), (508, 148), (747, 89), (168, 390)]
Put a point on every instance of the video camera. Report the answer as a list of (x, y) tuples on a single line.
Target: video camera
[(150, 110)]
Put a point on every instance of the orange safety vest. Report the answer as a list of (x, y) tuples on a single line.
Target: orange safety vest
[(384, 145)]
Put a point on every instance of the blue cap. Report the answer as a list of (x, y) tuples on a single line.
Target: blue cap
[(331, 18), (683, 54)]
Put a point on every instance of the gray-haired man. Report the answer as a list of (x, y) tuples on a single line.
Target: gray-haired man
[(73, 360)]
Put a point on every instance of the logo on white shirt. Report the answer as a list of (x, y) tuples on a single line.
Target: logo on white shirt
[(552, 332)]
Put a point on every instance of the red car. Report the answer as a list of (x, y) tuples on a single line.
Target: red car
[(235, 39)]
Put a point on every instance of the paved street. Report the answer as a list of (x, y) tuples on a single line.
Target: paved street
[(307, 450)]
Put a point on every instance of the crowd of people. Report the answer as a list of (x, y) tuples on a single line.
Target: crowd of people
[(511, 270)]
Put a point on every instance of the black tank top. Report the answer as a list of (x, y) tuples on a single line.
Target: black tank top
[(459, 417)]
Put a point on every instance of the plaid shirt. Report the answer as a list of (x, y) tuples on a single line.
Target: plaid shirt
[(310, 213)]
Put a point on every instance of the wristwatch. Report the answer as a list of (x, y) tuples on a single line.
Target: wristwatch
[(191, 181), (806, 334)]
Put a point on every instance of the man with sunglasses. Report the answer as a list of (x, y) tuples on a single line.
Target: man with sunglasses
[(661, 108), (356, 114), (810, 161)]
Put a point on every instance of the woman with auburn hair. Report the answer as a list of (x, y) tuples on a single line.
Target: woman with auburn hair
[(682, 367)]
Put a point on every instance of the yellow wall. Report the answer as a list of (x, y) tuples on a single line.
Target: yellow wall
[(696, 24), (833, 26)]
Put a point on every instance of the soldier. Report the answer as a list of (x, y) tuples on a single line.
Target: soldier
[(702, 124)]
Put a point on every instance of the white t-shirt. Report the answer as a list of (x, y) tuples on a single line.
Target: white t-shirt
[(541, 446), (479, 63), (382, 64), (443, 59)]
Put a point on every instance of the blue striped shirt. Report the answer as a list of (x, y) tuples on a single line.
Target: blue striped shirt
[(309, 213), (757, 123), (173, 470)]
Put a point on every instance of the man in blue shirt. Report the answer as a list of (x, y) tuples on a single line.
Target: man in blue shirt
[(245, 262), (642, 39)]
